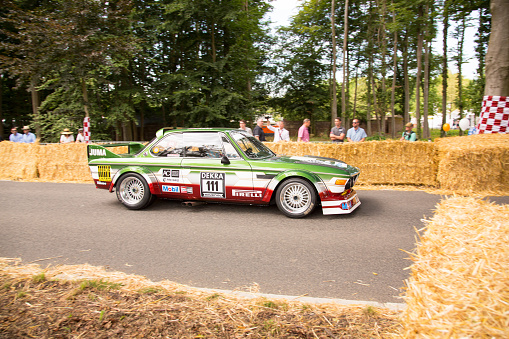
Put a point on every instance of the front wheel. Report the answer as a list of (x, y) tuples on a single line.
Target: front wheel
[(133, 191), (296, 198)]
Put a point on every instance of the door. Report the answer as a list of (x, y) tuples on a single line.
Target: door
[(210, 177)]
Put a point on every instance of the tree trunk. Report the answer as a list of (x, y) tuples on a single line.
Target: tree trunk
[(461, 42), (445, 24), (334, 105), (406, 107), (383, 99), (425, 127), (142, 121), (395, 71), (85, 96), (35, 105), (355, 90), (1, 103), (345, 44), (497, 58), (418, 77)]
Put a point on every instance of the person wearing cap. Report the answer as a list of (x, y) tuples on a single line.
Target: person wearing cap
[(15, 136), (66, 136), (80, 137), (408, 134), (27, 137)]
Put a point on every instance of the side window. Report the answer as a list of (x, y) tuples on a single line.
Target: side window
[(169, 146), (203, 145), (231, 152)]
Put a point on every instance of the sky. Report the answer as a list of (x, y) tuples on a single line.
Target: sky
[(284, 9)]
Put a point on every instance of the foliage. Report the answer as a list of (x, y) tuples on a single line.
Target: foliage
[(132, 63)]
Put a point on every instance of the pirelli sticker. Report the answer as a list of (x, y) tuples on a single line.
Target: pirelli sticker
[(104, 173), (212, 185)]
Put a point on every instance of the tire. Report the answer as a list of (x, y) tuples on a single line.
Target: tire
[(133, 191), (296, 198)]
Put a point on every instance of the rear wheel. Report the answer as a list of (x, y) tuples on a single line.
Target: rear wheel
[(133, 191), (296, 198)]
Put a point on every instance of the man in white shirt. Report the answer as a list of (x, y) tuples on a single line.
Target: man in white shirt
[(80, 137), (242, 124), (280, 133)]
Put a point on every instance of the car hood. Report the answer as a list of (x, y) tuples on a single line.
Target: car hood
[(304, 161)]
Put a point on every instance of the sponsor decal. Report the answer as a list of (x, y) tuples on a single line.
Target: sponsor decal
[(320, 161), (170, 189), (101, 183), (247, 193), (212, 185), (104, 172), (188, 190), (171, 175), (97, 152)]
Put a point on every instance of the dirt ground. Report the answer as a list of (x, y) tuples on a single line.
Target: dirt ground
[(40, 306)]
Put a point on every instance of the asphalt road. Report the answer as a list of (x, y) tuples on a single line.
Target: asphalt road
[(357, 257)]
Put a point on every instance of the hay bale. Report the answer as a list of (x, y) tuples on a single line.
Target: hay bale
[(64, 162), (18, 161), (459, 284), (476, 164), (390, 162)]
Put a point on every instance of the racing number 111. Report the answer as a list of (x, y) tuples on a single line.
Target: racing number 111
[(213, 186)]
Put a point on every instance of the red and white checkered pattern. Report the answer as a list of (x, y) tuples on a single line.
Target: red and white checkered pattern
[(494, 115), (86, 129)]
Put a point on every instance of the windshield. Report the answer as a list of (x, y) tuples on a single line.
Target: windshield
[(251, 146)]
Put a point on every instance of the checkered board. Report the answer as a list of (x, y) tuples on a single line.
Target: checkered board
[(494, 115)]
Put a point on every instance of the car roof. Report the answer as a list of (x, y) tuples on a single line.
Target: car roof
[(166, 130)]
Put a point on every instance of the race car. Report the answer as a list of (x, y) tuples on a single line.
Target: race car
[(222, 165)]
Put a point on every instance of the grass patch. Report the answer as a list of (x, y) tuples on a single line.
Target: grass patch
[(99, 285), (39, 278)]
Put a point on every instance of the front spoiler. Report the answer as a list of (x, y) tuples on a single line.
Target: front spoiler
[(341, 205)]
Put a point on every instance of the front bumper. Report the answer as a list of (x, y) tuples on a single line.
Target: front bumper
[(340, 203)]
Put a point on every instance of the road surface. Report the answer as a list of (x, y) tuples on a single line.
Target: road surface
[(357, 257)]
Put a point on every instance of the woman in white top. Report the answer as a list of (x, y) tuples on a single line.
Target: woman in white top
[(66, 136)]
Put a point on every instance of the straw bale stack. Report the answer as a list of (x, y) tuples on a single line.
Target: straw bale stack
[(381, 162), (65, 162), (475, 164), (459, 284), (18, 161)]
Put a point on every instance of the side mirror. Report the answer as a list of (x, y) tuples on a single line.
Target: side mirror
[(225, 160)]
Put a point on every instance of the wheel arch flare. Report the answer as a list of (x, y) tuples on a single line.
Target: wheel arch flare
[(143, 171), (315, 180)]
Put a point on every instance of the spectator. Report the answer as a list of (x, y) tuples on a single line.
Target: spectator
[(243, 127), (15, 136), (356, 133), (258, 130), (280, 133), (303, 131), (66, 136), (27, 137), (80, 137), (337, 133), (408, 134)]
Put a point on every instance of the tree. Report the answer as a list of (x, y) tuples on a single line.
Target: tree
[(497, 58), (334, 105)]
